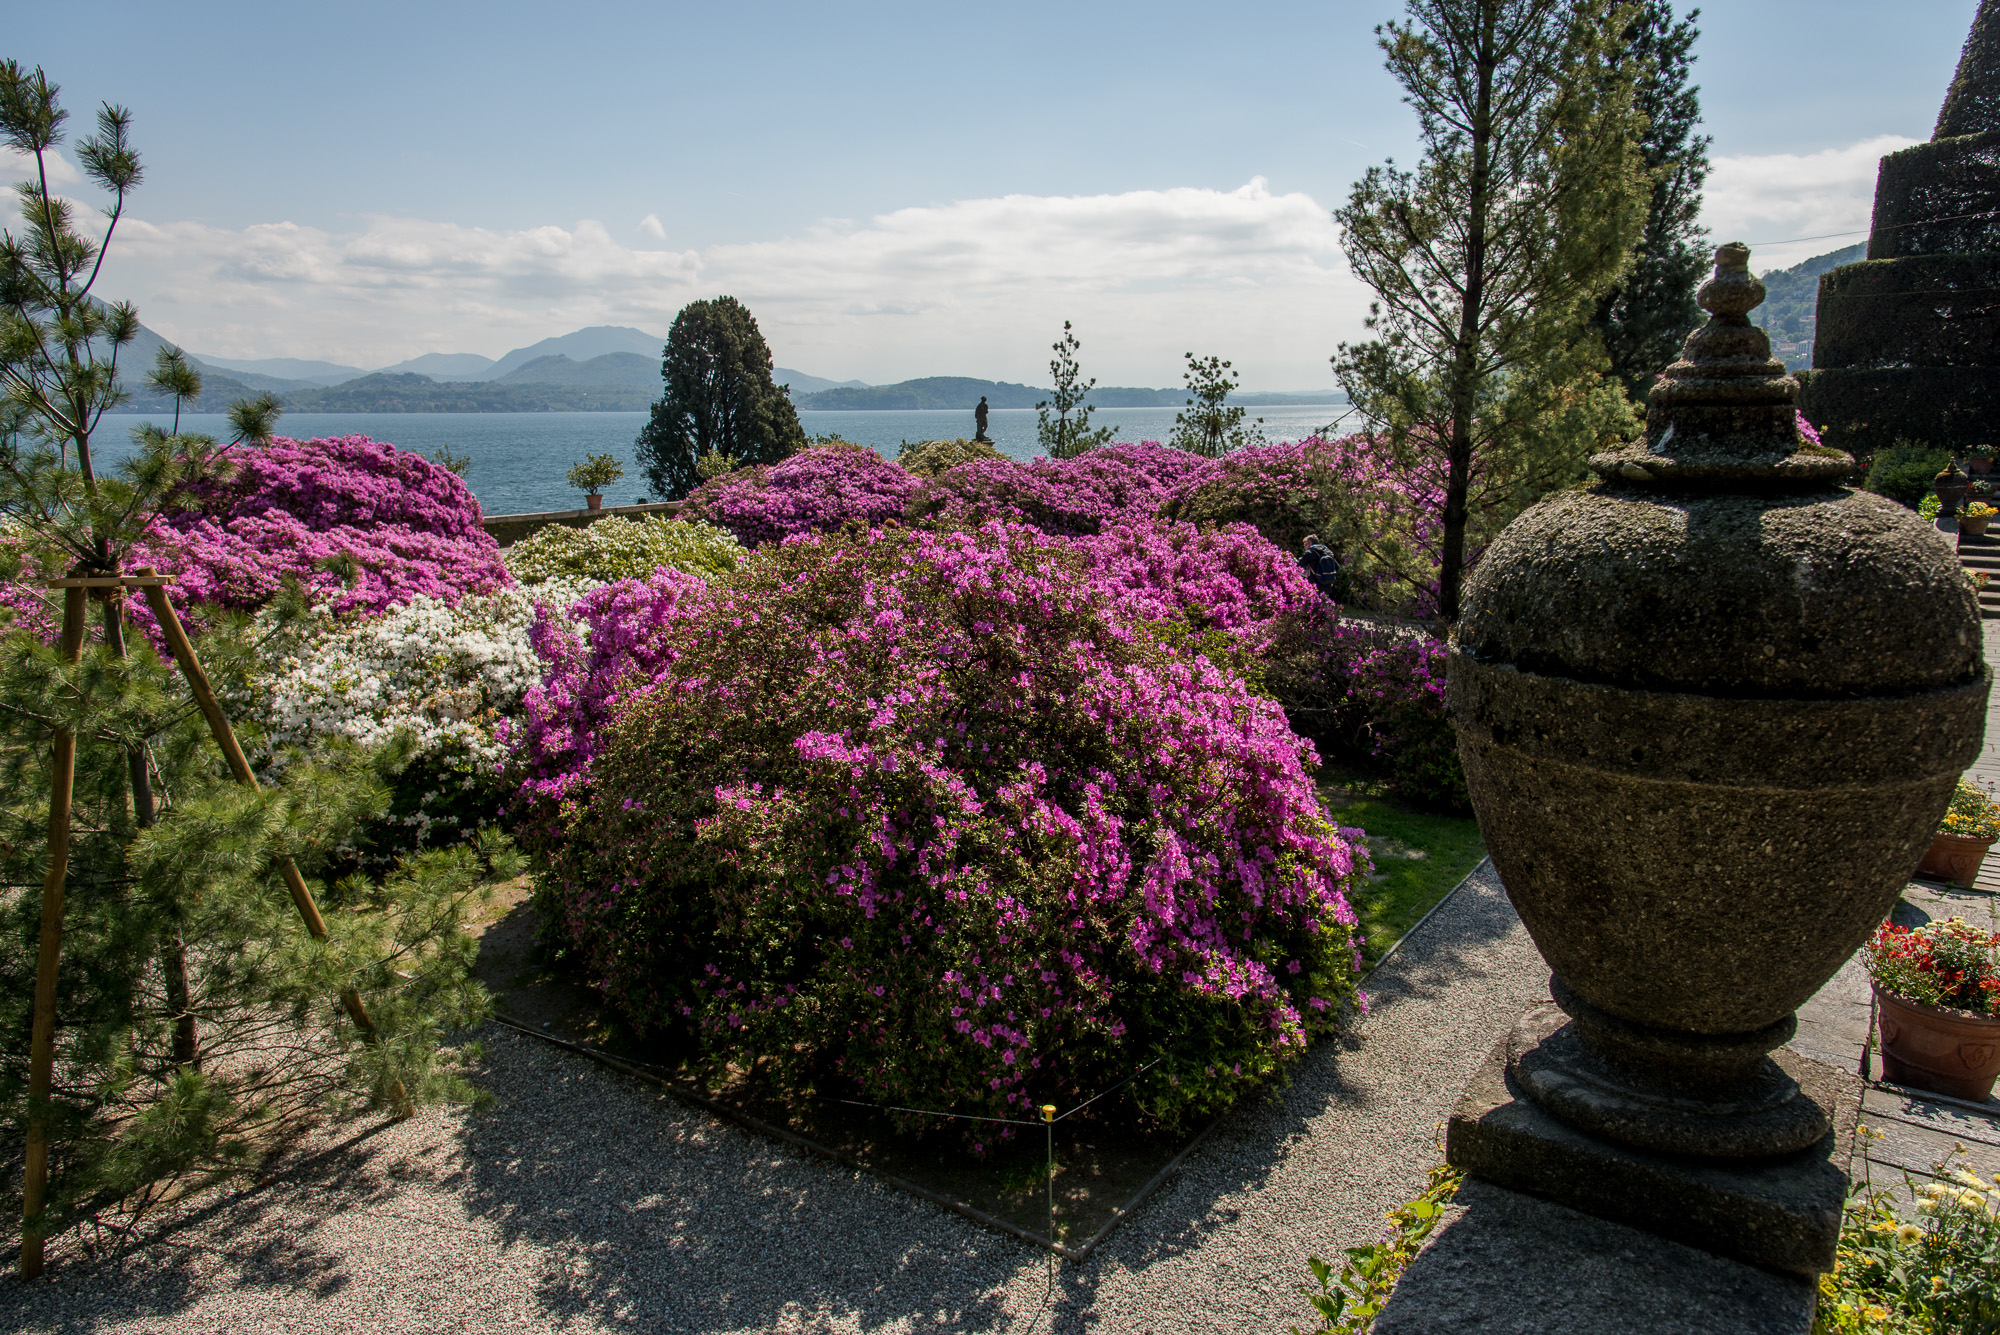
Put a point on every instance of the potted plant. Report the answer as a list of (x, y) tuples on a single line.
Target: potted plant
[(1969, 827), (593, 475), (1938, 989), (1979, 459), (1974, 518)]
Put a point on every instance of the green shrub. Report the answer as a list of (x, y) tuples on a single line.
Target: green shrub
[(1904, 472), (1937, 1272), (929, 458), (619, 548)]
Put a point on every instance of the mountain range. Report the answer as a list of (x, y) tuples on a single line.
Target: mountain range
[(605, 368)]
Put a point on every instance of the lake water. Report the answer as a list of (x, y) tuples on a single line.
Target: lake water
[(518, 459)]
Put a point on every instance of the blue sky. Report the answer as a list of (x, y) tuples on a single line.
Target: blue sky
[(896, 189)]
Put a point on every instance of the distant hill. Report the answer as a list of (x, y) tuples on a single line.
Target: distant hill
[(582, 346), (408, 393), (801, 383), (613, 368), (288, 370), (1791, 304), (443, 366), (938, 391), (962, 392)]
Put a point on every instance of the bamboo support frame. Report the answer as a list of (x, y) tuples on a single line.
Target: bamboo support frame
[(225, 739), (42, 1040)]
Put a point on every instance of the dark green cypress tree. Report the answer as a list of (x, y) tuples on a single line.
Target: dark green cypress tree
[(720, 399), (1644, 320)]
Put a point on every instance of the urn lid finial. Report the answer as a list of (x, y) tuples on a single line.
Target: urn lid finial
[(1725, 415)]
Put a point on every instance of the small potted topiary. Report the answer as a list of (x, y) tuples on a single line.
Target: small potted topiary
[(1969, 827), (1974, 518), (1938, 990), (593, 475)]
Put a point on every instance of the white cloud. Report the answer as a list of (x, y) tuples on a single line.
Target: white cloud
[(978, 287), (1775, 197), (17, 166), (650, 226)]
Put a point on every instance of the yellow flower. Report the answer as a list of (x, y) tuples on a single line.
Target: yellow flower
[(1937, 1283), (1909, 1233), (1874, 1313), (1972, 1180)]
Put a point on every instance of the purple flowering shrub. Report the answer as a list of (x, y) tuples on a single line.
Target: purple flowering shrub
[(932, 819), (817, 490), (625, 643), (1343, 491), (1231, 589), (356, 521), (1373, 695), (1081, 495)]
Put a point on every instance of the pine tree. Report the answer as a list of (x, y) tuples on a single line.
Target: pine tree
[(1064, 436), (1209, 425), (163, 1007), (719, 399), (1644, 320), (1489, 259)]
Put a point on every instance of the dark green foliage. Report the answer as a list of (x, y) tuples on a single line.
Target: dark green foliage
[(1791, 303), (1905, 472), (1068, 433), (1645, 318), (1488, 261), (719, 399), (200, 890), (194, 1014), (1210, 426), (1972, 105)]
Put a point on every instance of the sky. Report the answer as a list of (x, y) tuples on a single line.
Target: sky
[(895, 190)]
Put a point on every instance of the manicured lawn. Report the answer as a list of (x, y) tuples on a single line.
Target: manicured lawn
[(1419, 857)]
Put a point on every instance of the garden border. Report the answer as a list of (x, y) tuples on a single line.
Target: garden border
[(1119, 1214)]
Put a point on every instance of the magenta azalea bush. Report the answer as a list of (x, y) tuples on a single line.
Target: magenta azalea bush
[(935, 819), (818, 490), (357, 522), (1081, 495), (1227, 579)]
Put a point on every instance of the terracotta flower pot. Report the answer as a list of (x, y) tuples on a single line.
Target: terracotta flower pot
[(1978, 463), (594, 501), (1949, 1052), (1954, 857), (1975, 527)]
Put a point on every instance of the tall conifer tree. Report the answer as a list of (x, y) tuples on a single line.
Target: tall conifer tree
[(1489, 258), (720, 399), (1644, 320)]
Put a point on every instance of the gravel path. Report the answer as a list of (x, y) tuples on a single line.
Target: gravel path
[(584, 1201)]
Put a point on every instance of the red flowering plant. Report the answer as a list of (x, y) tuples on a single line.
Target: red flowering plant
[(935, 819), (1946, 962)]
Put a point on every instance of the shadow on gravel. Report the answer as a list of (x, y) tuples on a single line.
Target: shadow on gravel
[(659, 1217), (101, 1275), (1444, 955)]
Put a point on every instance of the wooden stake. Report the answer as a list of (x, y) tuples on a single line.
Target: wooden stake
[(42, 1040), (225, 739)]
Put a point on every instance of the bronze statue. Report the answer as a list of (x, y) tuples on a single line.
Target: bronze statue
[(979, 421)]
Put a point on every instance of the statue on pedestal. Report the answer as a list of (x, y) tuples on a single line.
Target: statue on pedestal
[(979, 421)]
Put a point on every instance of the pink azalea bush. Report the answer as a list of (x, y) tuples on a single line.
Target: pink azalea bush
[(817, 490), (355, 521), (934, 819), (1062, 496)]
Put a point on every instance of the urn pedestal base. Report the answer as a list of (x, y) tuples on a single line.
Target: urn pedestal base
[(1781, 1213)]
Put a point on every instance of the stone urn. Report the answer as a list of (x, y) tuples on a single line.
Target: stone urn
[(1950, 486), (1711, 708)]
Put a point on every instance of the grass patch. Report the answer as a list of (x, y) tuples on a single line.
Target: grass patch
[(1419, 857)]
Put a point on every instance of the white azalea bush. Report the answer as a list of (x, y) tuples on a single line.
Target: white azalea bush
[(618, 548), (442, 676)]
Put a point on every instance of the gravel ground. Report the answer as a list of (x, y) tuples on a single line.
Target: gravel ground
[(584, 1201)]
